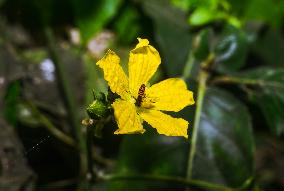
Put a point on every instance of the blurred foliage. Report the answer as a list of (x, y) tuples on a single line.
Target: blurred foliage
[(91, 16), (239, 138)]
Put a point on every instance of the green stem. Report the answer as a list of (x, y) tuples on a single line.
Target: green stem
[(188, 65), (200, 95), (246, 81), (170, 179), (50, 127), (236, 80), (70, 105), (90, 148)]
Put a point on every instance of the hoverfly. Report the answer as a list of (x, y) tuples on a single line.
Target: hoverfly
[(141, 95)]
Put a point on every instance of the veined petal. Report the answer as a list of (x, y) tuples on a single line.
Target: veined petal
[(164, 123), (114, 74), (129, 122), (168, 95), (144, 60)]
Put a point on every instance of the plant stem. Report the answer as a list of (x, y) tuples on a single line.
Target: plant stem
[(188, 65), (246, 81), (90, 149), (172, 179), (51, 128), (70, 105), (236, 80), (200, 95)]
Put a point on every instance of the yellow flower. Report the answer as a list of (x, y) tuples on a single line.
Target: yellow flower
[(139, 102)]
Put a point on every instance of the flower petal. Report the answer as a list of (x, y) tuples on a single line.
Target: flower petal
[(129, 122), (143, 63), (114, 74), (164, 123), (168, 95)]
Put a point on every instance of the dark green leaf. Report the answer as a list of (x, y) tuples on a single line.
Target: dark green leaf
[(225, 147), (201, 45), (172, 34), (268, 94), (267, 11), (269, 47), (231, 50), (11, 101), (150, 154)]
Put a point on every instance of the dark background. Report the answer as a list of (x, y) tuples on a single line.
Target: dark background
[(48, 51)]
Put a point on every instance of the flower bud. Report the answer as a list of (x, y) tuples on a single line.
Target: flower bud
[(99, 108)]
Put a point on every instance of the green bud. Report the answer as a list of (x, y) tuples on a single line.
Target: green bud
[(99, 108), (99, 96)]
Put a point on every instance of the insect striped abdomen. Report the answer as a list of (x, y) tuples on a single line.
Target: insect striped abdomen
[(141, 94)]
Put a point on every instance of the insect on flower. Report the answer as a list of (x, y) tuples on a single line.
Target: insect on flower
[(141, 95), (138, 103)]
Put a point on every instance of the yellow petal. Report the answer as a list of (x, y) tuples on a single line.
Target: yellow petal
[(143, 63), (114, 74), (168, 95), (165, 124), (129, 122), (142, 42)]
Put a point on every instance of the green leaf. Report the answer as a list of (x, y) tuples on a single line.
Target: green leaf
[(184, 4), (269, 47), (150, 154), (203, 15), (201, 44), (127, 25), (171, 33), (225, 146), (266, 11), (267, 94), (92, 16), (11, 101), (231, 50)]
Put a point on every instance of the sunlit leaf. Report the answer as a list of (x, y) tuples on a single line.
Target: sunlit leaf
[(202, 16)]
